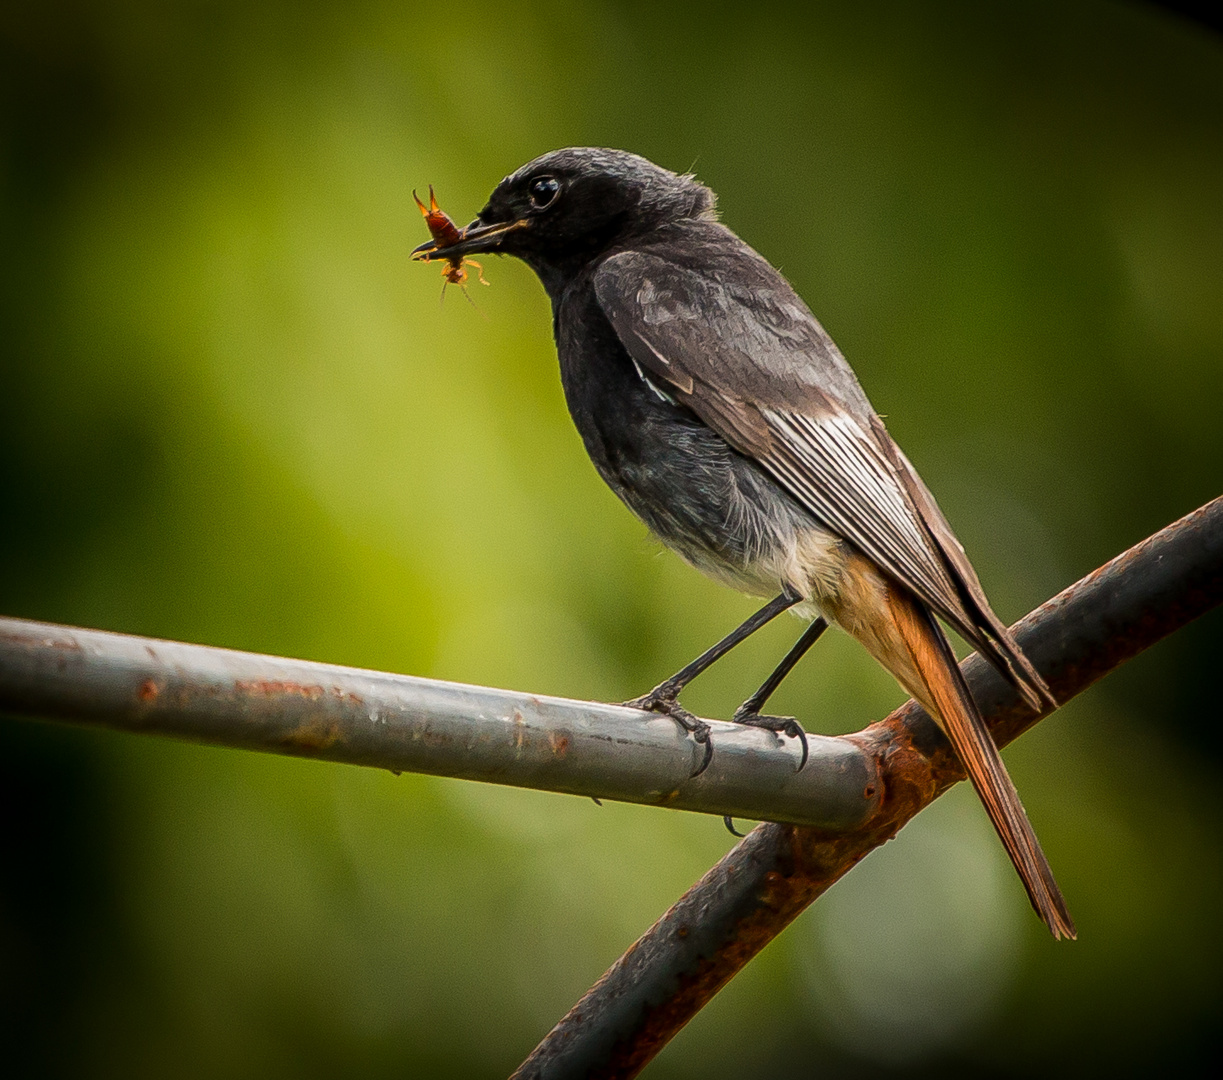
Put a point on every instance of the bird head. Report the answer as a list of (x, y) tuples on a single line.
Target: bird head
[(570, 206)]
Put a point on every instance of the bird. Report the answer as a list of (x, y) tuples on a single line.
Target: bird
[(719, 410)]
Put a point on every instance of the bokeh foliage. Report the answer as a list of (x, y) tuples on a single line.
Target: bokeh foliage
[(232, 412)]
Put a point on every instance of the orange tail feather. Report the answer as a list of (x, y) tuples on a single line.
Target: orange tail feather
[(957, 713)]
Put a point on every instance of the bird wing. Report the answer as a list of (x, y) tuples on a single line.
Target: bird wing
[(735, 344)]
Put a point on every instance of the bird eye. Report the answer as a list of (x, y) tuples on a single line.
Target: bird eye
[(543, 191)]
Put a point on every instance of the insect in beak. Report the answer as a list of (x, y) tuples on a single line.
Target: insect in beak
[(445, 234)]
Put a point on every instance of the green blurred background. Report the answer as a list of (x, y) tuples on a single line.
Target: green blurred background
[(232, 412)]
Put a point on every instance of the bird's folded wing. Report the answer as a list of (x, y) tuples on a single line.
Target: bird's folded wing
[(736, 345)]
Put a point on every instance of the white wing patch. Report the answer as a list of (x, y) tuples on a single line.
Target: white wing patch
[(661, 394)]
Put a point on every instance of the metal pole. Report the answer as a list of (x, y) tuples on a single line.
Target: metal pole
[(406, 724), (762, 885)]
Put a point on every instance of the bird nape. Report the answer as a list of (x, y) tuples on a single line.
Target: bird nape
[(716, 407)]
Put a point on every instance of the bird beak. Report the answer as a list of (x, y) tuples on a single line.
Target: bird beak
[(476, 238)]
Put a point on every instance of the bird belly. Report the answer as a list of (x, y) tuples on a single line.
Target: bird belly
[(727, 518), (719, 511)]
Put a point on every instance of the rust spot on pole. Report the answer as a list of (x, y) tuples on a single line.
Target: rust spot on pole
[(277, 688), (148, 690), (348, 697), (313, 735)]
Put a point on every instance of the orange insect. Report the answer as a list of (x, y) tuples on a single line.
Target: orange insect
[(445, 232)]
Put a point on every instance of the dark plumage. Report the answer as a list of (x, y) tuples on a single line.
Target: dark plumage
[(717, 408)]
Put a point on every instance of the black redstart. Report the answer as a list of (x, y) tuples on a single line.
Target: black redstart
[(717, 408)]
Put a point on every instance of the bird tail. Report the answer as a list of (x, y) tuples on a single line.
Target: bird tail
[(941, 688)]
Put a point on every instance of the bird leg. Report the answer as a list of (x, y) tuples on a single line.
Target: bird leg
[(663, 698), (749, 712)]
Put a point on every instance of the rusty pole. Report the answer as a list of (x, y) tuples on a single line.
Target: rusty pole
[(405, 724), (763, 884)]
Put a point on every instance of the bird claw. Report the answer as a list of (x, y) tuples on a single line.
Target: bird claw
[(779, 725), (697, 728), (662, 700)]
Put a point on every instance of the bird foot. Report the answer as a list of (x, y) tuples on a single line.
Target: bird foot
[(779, 725), (662, 700)]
